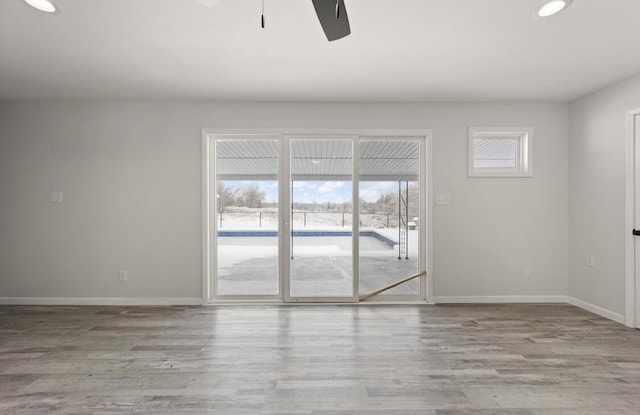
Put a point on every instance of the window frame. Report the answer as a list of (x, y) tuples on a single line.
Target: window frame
[(524, 156)]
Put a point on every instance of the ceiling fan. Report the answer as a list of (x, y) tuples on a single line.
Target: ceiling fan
[(333, 18), (331, 13)]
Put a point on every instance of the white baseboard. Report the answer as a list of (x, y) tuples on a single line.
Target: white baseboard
[(603, 312), (473, 299), (100, 301)]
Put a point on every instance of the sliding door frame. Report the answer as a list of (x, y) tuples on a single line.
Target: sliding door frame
[(284, 225), (424, 233), (210, 281), (288, 298)]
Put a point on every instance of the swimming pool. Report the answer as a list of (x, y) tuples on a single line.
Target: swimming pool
[(368, 239), (247, 262)]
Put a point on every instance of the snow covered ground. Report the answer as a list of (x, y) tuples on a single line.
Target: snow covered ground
[(267, 219)]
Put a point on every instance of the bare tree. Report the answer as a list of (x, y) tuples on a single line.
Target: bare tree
[(388, 202), (252, 196), (225, 195)]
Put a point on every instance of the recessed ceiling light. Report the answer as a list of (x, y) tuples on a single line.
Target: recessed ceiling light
[(42, 5), (553, 7), (315, 161)]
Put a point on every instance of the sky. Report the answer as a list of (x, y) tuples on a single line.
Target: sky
[(319, 191)]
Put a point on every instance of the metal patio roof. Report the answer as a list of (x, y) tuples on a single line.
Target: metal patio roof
[(319, 159)]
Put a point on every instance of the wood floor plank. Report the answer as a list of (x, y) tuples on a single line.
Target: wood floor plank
[(533, 359)]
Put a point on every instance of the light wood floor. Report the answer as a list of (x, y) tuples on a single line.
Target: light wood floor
[(321, 360)]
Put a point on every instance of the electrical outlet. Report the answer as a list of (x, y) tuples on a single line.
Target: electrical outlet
[(589, 261), (123, 275), (526, 273), (443, 199), (55, 197)]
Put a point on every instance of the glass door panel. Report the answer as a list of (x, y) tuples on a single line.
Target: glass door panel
[(307, 250), (389, 237), (246, 217), (321, 236)]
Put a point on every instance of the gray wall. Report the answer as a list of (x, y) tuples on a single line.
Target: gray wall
[(597, 193), (130, 173)]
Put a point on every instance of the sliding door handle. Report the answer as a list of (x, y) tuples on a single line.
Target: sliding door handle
[(636, 232)]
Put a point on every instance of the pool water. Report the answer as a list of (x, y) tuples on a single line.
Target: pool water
[(367, 243)]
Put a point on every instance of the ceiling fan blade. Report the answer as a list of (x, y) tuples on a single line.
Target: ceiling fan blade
[(334, 21)]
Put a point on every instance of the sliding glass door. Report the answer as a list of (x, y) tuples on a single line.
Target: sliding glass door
[(390, 219), (312, 218), (321, 217), (245, 221)]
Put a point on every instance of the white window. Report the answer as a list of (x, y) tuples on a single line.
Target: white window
[(500, 152)]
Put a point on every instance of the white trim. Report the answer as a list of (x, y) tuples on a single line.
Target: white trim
[(524, 299), (629, 223), (369, 132), (285, 134), (277, 303), (206, 249), (500, 299), (284, 218), (429, 206), (355, 217), (603, 312), (122, 301)]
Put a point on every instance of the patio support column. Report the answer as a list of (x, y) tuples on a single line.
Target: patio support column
[(291, 220), (399, 219), (406, 220)]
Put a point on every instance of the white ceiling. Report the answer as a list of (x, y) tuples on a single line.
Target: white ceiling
[(399, 50)]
